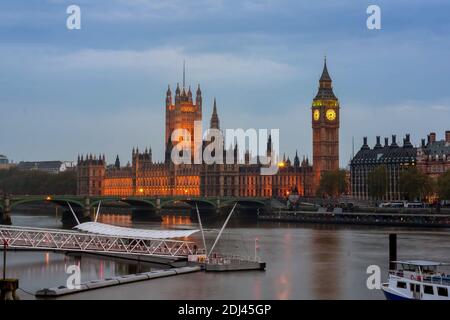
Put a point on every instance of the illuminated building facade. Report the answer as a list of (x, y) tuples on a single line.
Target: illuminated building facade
[(145, 177), (325, 126)]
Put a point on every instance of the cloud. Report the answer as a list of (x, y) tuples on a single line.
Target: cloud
[(225, 67)]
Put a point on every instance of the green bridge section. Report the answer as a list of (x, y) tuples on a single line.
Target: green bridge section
[(86, 203)]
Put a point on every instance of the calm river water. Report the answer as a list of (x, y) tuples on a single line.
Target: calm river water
[(303, 261)]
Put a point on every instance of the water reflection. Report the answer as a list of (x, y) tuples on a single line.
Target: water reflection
[(120, 219), (325, 263), (303, 261), (170, 220)]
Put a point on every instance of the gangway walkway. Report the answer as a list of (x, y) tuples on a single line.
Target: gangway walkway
[(68, 240)]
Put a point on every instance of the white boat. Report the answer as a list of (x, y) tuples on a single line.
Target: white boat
[(417, 280)]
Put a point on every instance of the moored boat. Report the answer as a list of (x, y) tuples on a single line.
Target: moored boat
[(417, 280)]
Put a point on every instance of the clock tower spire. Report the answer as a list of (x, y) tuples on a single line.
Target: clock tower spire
[(325, 127)]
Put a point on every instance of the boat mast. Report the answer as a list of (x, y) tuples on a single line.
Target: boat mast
[(221, 230), (74, 215), (201, 229), (98, 210)]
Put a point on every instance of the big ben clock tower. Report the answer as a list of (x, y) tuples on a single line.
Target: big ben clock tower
[(325, 126)]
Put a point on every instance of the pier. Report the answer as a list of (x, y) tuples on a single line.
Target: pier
[(348, 218), (130, 278), (75, 241)]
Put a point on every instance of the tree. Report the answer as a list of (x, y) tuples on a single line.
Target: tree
[(414, 184), (333, 183), (378, 182), (443, 186), (15, 181)]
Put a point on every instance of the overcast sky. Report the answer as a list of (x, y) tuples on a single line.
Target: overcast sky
[(102, 88)]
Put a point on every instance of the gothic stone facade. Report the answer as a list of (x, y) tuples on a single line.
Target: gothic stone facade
[(145, 177)]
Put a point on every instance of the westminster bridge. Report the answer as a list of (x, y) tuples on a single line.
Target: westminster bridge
[(83, 205)]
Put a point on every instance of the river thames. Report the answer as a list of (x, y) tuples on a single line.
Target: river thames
[(303, 261)]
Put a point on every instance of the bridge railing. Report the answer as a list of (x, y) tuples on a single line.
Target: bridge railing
[(62, 240)]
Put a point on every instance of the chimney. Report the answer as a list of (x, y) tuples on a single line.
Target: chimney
[(394, 141), (407, 142), (432, 137), (447, 136), (365, 146), (386, 142), (378, 144), (423, 143)]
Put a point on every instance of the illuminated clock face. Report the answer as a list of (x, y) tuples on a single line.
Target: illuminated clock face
[(331, 114), (316, 115)]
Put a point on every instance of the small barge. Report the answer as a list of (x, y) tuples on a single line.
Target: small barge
[(349, 218)]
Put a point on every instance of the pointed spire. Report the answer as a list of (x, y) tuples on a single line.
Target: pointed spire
[(296, 159), (199, 92), (325, 75), (325, 85), (117, 163), (215, 123), (269, 147)]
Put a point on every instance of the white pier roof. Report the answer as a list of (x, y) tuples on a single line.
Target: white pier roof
[(110, 230)]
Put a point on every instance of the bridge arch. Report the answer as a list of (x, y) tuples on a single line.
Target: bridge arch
[(190, 201), (57, 200), (244, 201), (132, 201)]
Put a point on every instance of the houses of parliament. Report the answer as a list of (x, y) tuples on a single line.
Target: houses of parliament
[(145, 177)]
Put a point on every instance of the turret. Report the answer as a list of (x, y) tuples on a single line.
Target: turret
[(189, 95), (198, 98), (168, 97), (214, 123), (269, 147), (288, 162), (177, 94), (117, 163), (296, 160)]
